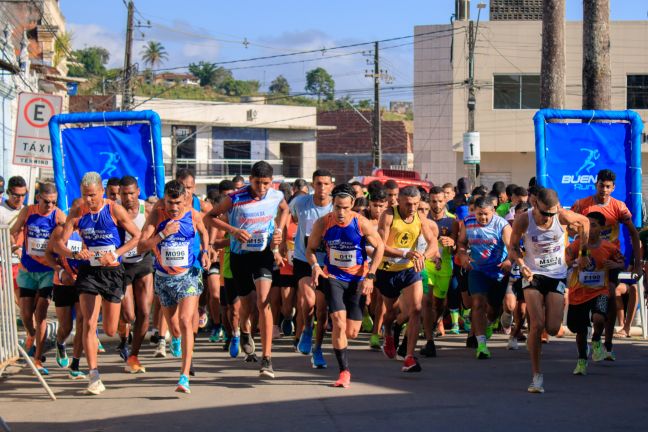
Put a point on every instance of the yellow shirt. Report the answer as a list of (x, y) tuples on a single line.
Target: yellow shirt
[(404, 237)]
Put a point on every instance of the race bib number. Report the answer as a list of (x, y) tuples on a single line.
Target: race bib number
[(549, 262), (98, 252), (131, 253), (594, 279), (342, 259), (36, 246), (257, 242), (175, 256), (75, 245)]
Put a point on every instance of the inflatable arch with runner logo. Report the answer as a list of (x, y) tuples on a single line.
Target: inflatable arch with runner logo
[(114, 144)]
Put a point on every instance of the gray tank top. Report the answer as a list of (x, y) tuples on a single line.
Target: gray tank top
[(545, 249)]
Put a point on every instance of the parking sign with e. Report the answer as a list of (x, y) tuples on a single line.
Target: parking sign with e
[(32, 145)]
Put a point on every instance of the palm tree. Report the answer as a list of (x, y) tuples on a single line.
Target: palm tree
[(154, 54)]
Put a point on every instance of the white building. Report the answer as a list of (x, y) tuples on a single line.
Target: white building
[(219, 140), (507, 75)]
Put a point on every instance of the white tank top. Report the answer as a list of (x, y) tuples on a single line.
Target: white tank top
[(132, 256), (545, 249)]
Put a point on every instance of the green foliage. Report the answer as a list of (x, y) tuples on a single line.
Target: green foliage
[(92, 61), (234, 87), (280, 86), (154, 54), (209, 74), (319, 82)]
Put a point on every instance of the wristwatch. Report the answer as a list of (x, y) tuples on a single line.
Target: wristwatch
[(371, 276)]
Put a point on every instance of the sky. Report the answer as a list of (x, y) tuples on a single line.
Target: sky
[(214, 31)]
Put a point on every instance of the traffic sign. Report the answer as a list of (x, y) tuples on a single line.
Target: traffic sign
[(32, 145), (471, 148)]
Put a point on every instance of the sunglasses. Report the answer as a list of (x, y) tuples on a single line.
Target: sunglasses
[(17, 195), (48, 202), (548, 214)]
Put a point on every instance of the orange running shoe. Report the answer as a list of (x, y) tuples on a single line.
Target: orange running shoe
[(134, 366), (344, 380)]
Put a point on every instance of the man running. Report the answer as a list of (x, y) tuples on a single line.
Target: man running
[(543, 230), (112, 189), (483, 249), (257, 215), (138, 275), (100, 282), (306, 209), (616, 213), (344, 278), (170, 233), (400, 270), (35, 277), (9, 210)]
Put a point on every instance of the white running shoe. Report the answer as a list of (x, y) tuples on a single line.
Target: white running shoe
[(160, 350), (537, 385), (95, 387), (513, 344)]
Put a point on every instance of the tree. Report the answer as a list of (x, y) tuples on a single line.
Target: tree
[(154, 54), (62, 47), (89, 61), (597, 76), (209, 74), (365, 104), (280, 86), (234, 87), (552, 69), (319, 82)]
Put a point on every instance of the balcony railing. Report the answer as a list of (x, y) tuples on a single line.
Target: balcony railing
[(219, 168)]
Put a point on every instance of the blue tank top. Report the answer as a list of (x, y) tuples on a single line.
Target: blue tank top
[(346, 252), (37, 231), (99, 232), (307, 213), (486, 244), (256, 216), (175, 254)]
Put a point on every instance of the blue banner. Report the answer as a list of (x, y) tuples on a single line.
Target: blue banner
[(112, 151), (576, 152)]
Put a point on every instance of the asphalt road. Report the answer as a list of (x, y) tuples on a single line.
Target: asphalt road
[(455, 392)]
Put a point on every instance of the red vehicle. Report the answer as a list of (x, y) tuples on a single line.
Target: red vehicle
[(401, 177)]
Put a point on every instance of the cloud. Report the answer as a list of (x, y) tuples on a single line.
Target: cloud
[(87, 35)]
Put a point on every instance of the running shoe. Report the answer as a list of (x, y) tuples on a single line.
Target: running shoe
[(454, 329), (266, 368), (287, 327), (176, 347), (317, 359), (429, 350), (61, 357), (160, 350), (155, 337), (247, 343), (40, 368), (598, 352), (124, 350), (466, 321), (610, 356), (489, 330), (216, 334), (76, 374), (234, 346), (537, 384), (512, 344), (276, 332), (482, 352), (305, 341), (100, 348), (367, 323), (401, 351), (388, 347), (183, 385), (411, 364), (507, 321), (134, 366), (471, 341), (374, 342), (95, 387), (344, 380), (581, 367)]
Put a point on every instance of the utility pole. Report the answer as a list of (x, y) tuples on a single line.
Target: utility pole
[(376, 150), (127, 94), (597, 77), (174, 152), (552, 69)]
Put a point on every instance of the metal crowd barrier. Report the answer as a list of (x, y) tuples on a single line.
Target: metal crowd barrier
[(10, 349)]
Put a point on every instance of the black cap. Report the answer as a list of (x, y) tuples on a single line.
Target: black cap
[(2, 184)]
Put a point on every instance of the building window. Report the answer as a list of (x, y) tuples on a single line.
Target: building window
[(637, 92), (516, 91), (186, 138), (237, 149)]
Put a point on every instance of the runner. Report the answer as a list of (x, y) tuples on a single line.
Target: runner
[(391, 188), (9, 210), (616, 213), (35, 277), (482, 249), (542, 266), (100, 280), (439, 272), (138, 277), (346, 278), (307, 209), (112, 189), (589, 290), (399, 274), (257, 215), (66, 299)]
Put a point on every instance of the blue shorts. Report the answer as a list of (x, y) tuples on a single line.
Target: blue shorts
[(493, 289), (35, 280), (390, 284), (171, 289)]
